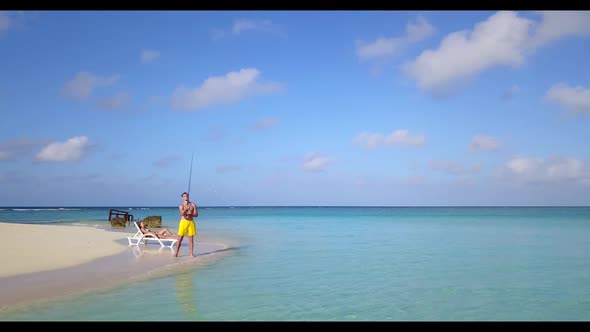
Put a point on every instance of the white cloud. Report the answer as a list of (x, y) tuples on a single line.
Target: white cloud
[(576, 99), (555, 169), (381, 47), (454, 168), (483, 143), (315, 162), (223, 90), (401, 137), (242, 24), (559, 24), (398, 137), (505, 38), (265, 123), (384, 47), (369, 140), (418, 31), (16, 19), (148, 56), (82, 85), (70, 150), (113, 102), (501, 39), (5, 21)]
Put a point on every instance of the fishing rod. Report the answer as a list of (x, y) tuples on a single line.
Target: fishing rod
[(190, 174)]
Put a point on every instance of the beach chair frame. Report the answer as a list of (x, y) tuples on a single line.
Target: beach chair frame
[(140, 238)]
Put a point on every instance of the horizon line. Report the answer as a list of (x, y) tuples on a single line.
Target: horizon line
[(294, 206)]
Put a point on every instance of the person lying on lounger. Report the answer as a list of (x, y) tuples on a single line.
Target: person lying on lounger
[(162, 234)]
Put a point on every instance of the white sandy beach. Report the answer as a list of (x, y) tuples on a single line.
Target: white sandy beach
[(35, 248), (41, 262)]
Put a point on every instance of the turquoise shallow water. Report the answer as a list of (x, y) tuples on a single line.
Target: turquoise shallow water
[(366, 264)]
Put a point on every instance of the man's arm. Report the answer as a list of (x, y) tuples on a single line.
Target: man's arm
[(196, 212)]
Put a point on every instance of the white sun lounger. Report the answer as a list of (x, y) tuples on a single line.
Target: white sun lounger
[(139, 237)]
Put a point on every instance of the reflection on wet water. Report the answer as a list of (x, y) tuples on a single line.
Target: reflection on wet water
[(139, 251), (185, 294)]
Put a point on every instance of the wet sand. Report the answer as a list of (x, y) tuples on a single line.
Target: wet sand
[(63, 267)]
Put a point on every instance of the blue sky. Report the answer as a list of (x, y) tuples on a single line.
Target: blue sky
[(390, 108)]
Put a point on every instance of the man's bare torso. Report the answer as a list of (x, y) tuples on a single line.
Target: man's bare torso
[(187, 211)]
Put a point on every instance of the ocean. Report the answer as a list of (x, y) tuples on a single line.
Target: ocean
[(351, 264)]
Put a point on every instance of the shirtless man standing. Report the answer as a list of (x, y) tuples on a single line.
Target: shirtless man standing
[(188, 210)]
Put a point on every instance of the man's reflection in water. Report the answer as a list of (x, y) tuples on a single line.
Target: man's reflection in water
[(185, 294)]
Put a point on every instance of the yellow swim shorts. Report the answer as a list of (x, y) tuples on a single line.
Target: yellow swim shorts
[(187, 227)]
